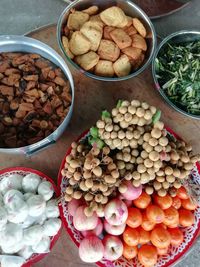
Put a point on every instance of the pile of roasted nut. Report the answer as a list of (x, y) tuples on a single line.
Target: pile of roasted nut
[(130, 144), (92, 175), (107, 43), (34, 99)]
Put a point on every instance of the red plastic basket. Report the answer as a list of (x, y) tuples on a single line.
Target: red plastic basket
[(21, 170)]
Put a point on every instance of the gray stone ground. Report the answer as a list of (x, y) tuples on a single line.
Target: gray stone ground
[(20, 16)]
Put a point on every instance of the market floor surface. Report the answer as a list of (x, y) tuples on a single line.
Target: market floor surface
[(21, 16)]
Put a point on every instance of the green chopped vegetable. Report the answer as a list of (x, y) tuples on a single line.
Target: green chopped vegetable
[(178, 73), (94, 132), (119, 103), (100, 143), (156, 116), (91, 140), (96, 141), (105, 114)]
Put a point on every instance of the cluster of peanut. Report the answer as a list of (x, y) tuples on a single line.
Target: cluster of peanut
[(141, 163), (178, 162), (120, 131), (92, 175), (158, 163), (145, 154), (137, 148)]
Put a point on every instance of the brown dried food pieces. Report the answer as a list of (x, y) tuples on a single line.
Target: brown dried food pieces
[(34, 99), (111, 34)]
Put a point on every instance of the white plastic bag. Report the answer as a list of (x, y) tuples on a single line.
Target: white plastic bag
[(52, 210), (36, 205), (12, 261), (30, 183), (33, 235), (14, 181), (43, 246), (46, 190), (51, 226)]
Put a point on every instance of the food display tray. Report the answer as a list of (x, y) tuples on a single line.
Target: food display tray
[(174, 254), (91, 97), (24, 171)]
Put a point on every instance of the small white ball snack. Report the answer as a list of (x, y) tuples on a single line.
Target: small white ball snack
[(43, 246), (1, 200), (28, 218), (36, 205), (46, 190), (51, 226), (91, 249), (33, 235), (29, 221), (28, 195), (52, 210), (18, 215), (12, 249), (26, 252), (12, 261), (13, 198), (15, 205), (40, 219), (11, 235), (3, 217), (13, 181), (31, 182)]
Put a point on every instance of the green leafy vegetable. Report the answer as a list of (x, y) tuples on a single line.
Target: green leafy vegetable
[(100, 143), (96, 141), (178, 73), (105, 114), (119, 103), (91, 140), (94, 132), (156, 116)]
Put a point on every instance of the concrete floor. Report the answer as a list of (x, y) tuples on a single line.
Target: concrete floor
[(21, 16)]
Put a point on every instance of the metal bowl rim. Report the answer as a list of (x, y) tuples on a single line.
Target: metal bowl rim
[(100, 78), (27, 42), (164, 41)]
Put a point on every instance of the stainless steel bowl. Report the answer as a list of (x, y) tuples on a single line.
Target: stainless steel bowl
[(174, 38), (130, 9), (15, 43)]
